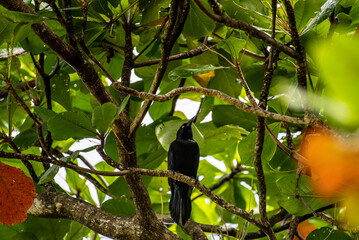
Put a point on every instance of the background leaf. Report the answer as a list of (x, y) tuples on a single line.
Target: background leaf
[(71, 124)]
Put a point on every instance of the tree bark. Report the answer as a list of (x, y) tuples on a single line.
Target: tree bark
[(58, 205)]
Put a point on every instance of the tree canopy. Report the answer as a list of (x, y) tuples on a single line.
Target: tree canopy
[(277, 83)]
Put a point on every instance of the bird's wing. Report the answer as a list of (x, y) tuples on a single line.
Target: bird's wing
[(170, 158), (196, 160), (170, 164)]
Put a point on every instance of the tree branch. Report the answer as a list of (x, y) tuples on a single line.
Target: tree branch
[(214, 93), (155, 173), (191, 53), (57, 205)]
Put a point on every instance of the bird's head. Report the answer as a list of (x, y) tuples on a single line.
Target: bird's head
[(185, 131)]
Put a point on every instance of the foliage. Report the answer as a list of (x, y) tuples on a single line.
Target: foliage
[(51, 98)]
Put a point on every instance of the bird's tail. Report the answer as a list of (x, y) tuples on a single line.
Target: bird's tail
[(180, 203)]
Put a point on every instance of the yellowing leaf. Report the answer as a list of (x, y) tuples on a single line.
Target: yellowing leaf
[(203, 79)]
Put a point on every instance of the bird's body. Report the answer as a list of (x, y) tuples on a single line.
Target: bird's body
[(183, 157)]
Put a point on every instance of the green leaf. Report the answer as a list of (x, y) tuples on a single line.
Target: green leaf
[(328, 234), (41, 228), (71, 125), (246, 146), (227, 114), (32, 43), (76, 184), (293, 205), (218, 140), (119, 188), (123, 104), (190, 70), (60, 90), (305, 10), (101, 6), (119, 206), (24, 236), (151, 9), (44, 113), (103, 116), (49, 174), (26, 139), (326, 10), (232, 45), (226, 80), (146, 140), (347, 3), (77, 231), (197, 24), (152, 160), (166, 133), (111, 147), (22, 17)]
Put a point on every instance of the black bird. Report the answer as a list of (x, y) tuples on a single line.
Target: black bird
[(183, 157)]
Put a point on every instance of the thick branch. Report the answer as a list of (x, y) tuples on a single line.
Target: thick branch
[(57, 205)]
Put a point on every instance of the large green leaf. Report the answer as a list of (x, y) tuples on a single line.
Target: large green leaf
[(305, 10), (227, 114), (71, 125), (16, 16), (60, 90), (26, 139), (151, 9), (119, 206), (326, 10), (227, 81), (287, 200), (197, 24), (246, 146), (32, 43), (328, 234), (217, 140), (44, 113), (77, 231), (36, 228), (103, 116)]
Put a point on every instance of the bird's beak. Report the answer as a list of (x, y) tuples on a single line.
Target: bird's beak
[(192, 120)]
